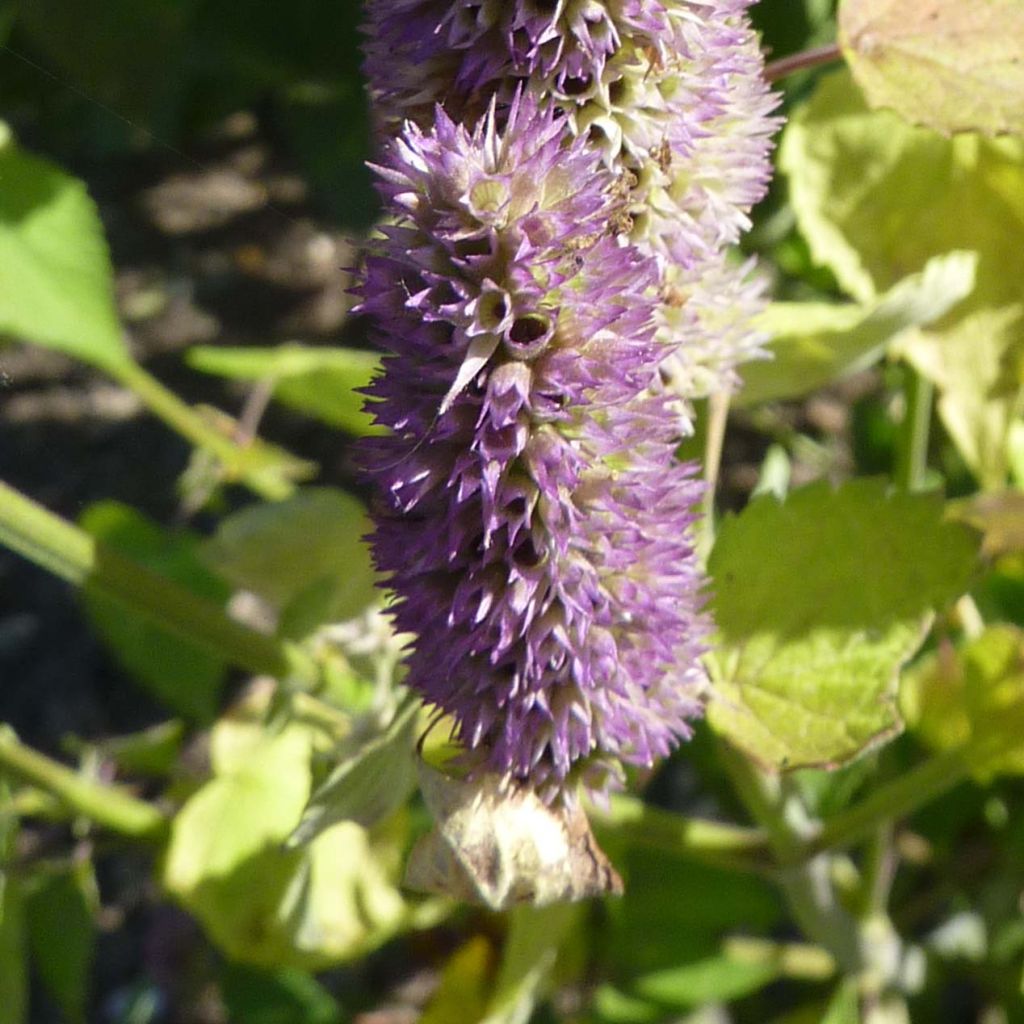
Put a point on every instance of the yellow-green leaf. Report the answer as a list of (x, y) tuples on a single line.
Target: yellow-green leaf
[(953, 65), (818, 602)]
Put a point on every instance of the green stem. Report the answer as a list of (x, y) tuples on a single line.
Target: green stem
[(265, 470), (805, 881), (68, 552), (714, 843), (912, 451), (894, 800), (106, 805)]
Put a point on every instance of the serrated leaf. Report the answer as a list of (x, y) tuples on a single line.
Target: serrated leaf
[(947, 64), (185, 677), (813, 344), (876, 199), (56, 282), (818, 602), (368, 785), (320, 382), (972, 699), (278, 550), (261, 903)]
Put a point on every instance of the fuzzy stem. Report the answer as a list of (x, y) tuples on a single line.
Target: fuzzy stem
[(68, 552), (802, 61), (805, 881), (105, 805)]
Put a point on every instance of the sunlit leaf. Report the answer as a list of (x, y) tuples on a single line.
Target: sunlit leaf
[(369, 784), (876, 199), (184, 676), (815, 343), (278, 550), (844, 1007), (465, 985), (947, 64), (973, 699), (818, 602), (976, 364), (320, 382), (535, 935), (56, 282), (261, 903), (999, 517), (717, 979)]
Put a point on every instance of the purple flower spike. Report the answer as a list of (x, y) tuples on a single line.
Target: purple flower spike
[(670, 93), (530, 514)]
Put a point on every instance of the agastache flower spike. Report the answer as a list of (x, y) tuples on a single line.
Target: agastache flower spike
[(531, 516), (670, 92)]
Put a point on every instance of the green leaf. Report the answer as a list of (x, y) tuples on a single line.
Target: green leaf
[(59, 913), (320, 382), (876, 199), (279, 997), (816, 343), (818, 602), (13, 959), (972, 699), (56, 282), (279, 550), (462, 993), (844, 1007), (182, 675), (259, 902), (534, 938), (715, 979), (368, 785), (976, 365), (950, 65)]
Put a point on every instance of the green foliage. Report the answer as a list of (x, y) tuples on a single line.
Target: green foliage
[(286, 996), (876, 199), (184, 676), (263, 904), (13, 950), (320, 382), (61, 931), (941, 63), (814, 344), (818, 602), (972, 699), (370, 784), (56, 283), (280, 551)]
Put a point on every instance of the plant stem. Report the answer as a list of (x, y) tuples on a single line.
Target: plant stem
[(894, 800), (265, 470), (727, 846), (912, 451), (68, 552), (802, 61), (106, 805), (805, 880)]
